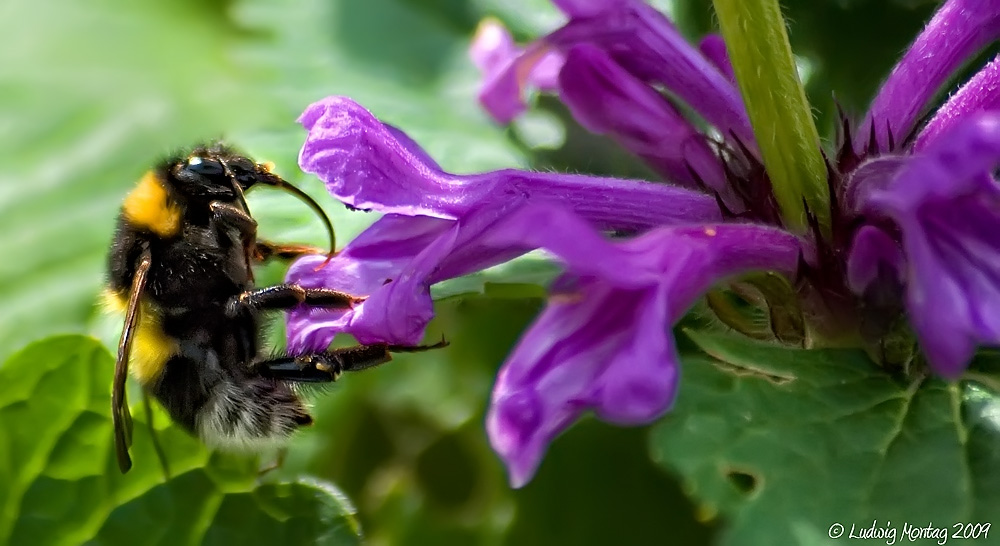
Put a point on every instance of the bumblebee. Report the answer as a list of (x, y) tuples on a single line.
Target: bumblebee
[(180, 269)]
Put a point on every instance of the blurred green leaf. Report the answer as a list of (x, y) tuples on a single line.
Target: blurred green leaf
[(783, 443), (60, 484)]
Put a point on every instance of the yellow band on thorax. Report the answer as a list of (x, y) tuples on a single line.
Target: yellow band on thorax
[(149, 206)]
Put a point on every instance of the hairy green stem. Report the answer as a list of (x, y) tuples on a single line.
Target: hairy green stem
[(782, 121)]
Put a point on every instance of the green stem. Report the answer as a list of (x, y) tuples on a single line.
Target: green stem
[(782, 121)]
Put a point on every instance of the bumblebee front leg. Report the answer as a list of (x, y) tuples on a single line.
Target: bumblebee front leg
[(327, 366), (226, 216), (287, 296), (229, 217)]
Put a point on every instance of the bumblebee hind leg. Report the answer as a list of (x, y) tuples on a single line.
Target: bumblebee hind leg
[(260, 410), (327, 366)]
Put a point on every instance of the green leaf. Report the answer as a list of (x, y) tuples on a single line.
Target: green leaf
[(784, 443), (60, 484)]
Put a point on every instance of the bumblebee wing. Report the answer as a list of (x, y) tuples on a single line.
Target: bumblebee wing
[(119, 405)]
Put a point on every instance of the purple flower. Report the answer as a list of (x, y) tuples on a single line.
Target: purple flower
[(645, 44), (439, 225), (945, 204), (915, 211), (493, 51), (927, 208)]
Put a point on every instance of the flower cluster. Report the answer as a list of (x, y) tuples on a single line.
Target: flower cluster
[(915, 212)]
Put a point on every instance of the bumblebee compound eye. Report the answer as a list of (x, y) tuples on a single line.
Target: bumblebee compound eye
[(204, 177), (202, 166)]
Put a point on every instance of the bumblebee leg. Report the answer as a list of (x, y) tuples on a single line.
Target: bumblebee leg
[(266, 250), (157, 447), (327, 366), (286, 296), (120, 416)]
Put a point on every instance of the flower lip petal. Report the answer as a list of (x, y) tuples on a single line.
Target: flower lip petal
[(640, 381), (365, 165), (364, 267), (348, 148)]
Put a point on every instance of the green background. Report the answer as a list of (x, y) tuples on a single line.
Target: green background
[(92, 93)]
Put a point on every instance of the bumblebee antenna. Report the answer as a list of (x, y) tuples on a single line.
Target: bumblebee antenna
[(236, 185)]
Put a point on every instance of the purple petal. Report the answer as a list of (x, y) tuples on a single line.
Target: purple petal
[(979, 94), (604, 343), (394, 262), (588, 8), (947, 208), (872, 175), (606, 99), (492, 46), (400, 310), (958, 30), (600, 348), (507, 69), (364, 165), (713, 47)]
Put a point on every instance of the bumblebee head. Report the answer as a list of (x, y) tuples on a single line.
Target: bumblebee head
[(218, 173)]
